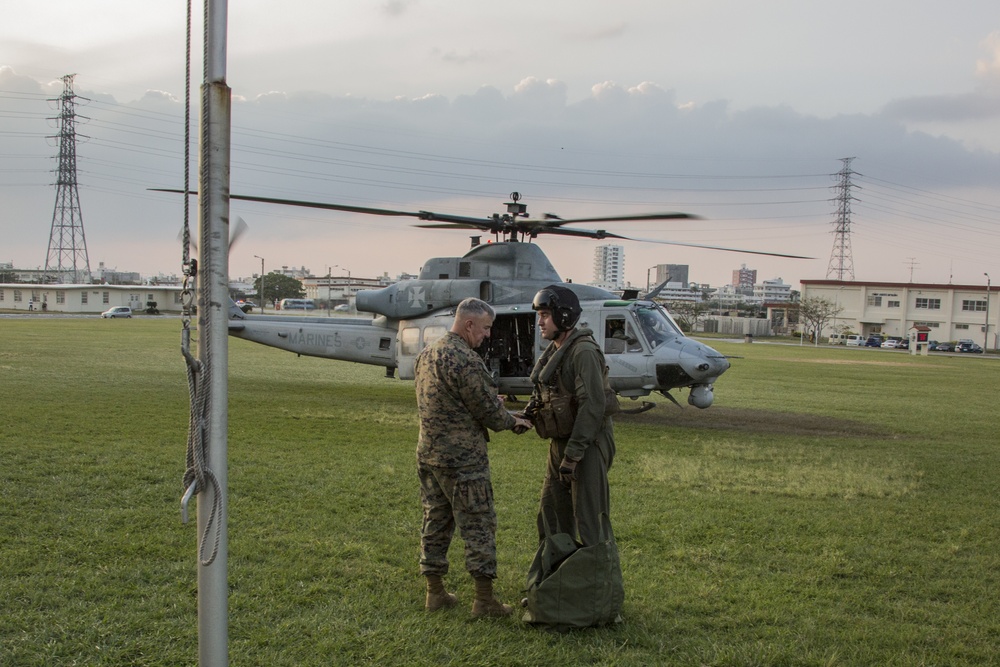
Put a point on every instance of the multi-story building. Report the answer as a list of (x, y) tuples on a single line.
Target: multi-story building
[(675, 273), (609, 267), (772, 291), (950, 311), (744, 280)]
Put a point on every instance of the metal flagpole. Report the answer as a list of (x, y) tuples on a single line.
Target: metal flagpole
[(213, 300)]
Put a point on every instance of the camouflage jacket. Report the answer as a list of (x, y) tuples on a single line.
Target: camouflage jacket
[(456, 402)]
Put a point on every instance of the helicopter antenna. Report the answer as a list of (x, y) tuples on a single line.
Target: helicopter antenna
[(514, 211)]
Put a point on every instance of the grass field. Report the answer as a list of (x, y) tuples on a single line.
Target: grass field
[(835, 507)]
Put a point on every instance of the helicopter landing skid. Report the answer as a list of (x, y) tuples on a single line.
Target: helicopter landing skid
[(646, 405)]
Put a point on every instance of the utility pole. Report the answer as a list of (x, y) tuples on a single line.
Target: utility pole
[(66, 261), (841, 261), (260, 295), (986, 330)]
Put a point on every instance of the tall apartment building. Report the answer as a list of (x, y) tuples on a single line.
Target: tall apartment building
[(609, 267), (744, 279)]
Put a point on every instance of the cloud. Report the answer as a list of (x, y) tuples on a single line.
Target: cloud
[(612, 31), (988, 70), (396, 8), (980, 104), (462, 58)]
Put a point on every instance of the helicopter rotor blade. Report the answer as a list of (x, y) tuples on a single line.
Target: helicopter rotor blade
[(555, 221), (236, 232), (551, 224), (715, 247)]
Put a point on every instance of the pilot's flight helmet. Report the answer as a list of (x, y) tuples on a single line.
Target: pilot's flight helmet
[(562, 302)]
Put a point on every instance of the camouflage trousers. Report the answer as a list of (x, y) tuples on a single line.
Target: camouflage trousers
[(460, 497)]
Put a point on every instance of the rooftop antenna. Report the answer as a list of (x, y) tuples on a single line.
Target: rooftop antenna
[(841, 261)]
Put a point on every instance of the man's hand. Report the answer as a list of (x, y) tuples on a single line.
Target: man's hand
[(521, 425), (567, 471)]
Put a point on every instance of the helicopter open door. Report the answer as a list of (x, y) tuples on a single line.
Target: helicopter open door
[(510, 350)]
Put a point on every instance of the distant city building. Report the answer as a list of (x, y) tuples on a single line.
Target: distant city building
[(772, 291), (300, 273), (116, 277), (729, 296), (675, 273), (341, 288), (609, 267), (676, 291), (744, 280)]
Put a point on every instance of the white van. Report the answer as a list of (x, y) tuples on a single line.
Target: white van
[(836, 339), (855, 340)]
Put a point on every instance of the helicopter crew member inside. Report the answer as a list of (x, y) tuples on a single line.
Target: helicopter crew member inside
[(457, 401), (572, 404)]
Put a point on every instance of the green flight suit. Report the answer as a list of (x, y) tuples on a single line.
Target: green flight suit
[(578, 364)]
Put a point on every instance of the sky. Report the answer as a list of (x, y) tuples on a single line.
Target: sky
[(739, 113)]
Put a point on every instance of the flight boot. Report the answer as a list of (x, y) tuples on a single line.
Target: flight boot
[(486, 605), (437, 596)]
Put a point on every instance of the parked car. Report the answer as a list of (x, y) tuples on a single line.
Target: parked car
[(903, 344), (117, 311), (932, 345), (874, 341), (855, 340), (966, 345), (944, 347), (891, 343)]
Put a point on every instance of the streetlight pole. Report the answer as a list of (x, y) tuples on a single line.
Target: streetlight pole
[(260, 296), (338, 266), (329, 270), (986, 334)]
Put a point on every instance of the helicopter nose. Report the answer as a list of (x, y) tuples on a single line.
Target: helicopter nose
[(702, 363)]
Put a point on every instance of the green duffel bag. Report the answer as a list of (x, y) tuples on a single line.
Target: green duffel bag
[(570, 586)]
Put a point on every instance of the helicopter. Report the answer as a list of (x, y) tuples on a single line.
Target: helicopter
[(645, 349)]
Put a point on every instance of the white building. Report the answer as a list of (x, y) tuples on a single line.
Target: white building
[(609, 267), (950, 311), (88, 298), (772, 291)]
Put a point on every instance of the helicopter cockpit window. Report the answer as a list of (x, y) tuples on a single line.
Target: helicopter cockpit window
[(619, 336), (655, 326), (614, 335)]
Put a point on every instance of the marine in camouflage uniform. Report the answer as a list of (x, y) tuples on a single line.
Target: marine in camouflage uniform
[(457, 402)]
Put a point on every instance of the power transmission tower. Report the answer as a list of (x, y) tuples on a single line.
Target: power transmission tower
[(841, 261), (67, 260)]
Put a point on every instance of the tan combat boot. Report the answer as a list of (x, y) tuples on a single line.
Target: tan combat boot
[(437, 596), (485, 605)]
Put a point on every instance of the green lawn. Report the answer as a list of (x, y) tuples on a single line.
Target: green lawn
[(835, 507)]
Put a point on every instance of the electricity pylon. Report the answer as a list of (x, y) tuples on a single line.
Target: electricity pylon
[(66, 261), (841, 261)]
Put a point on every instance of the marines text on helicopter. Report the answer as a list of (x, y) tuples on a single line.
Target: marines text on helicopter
[(645, 349)]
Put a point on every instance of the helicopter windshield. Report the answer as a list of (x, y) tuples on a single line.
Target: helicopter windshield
[(655, 325)]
